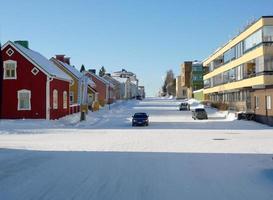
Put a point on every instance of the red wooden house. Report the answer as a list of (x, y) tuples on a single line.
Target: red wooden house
[(33, 87), (103, 87)]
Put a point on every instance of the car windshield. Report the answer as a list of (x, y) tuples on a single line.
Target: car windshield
[(140, 115)]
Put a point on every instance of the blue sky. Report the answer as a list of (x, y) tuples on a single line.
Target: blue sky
[(147, 37)]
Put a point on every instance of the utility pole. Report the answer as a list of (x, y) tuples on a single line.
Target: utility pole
[(83, 89)]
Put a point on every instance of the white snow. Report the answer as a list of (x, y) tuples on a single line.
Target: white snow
[(104, 157), (42, 61), (72, 69)]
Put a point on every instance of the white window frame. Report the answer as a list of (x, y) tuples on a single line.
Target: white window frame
[(268, 102), (33, 71), (64, 99), (71, 82), (15, 73), (10, 50), (55, 99), (18, 99), (71, 94)]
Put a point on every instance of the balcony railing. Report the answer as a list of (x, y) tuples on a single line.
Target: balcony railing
[(244, 76)]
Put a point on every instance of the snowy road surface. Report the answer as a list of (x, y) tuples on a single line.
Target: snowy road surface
[(105, 158)]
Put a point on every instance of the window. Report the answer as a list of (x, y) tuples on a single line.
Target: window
[(71, 97), (64, 100), (24, 99), (239, 72), (256, 102), (207, 83), (253, 40), (55, 99), (232, 75), (268, 102), (10, 52), (34, 71), (10, 69), (239, 50), (268, 34), (229, 55), (268, 63), (72, 82)]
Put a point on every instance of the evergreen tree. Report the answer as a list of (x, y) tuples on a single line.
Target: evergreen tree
[(102, 71), (82, 68)]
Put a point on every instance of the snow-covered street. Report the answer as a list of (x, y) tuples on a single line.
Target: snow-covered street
[(105, 157)]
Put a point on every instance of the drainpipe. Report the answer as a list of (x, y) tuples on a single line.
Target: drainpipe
[(48, 80)]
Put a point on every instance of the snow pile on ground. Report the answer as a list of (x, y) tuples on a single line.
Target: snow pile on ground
[(164, 114)]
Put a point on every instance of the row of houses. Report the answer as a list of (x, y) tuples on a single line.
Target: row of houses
[(238, 74), (35, 87)]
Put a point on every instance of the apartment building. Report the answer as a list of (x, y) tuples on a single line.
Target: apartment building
[(190, 79), (240, 73)]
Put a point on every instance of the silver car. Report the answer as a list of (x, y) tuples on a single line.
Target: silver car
[(199, 113)]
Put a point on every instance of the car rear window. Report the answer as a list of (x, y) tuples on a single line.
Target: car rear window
[(199, 110), (140, 115)]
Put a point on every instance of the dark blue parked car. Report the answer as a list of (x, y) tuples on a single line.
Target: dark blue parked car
[(140, 119)]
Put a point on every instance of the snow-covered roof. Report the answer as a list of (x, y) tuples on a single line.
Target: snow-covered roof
[(101, 79), (71, 69), (41, 61), (90, 82), (111, 79), (121, 80)]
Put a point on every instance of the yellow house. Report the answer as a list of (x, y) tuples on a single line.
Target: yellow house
[(64, 64), (76, 90), (241, 72)]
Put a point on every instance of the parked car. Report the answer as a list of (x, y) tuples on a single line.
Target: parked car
[(184, 106), (199, 113), (138, 97), (246, 115), (140, 119)]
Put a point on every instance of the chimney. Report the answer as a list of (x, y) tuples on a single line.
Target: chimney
[(60, 57), (92, 71), (67, 60), (23, 43)]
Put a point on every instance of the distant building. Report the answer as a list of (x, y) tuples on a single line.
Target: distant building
[(117, 86), (103, 87), (129, 83), (190, 79), (141, 90)]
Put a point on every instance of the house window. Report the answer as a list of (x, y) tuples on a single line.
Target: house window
[(256, 102), (10, 69), (10, 52), (268, 102), (71, 82), (24, 97), (71, 97), (64, 100), (55, 99), (34, 71)]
